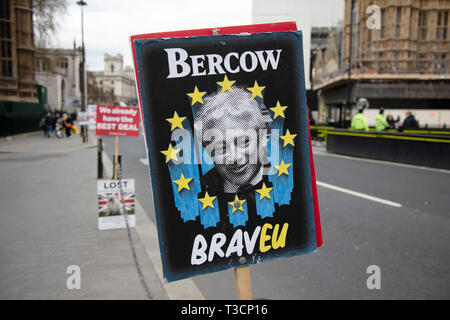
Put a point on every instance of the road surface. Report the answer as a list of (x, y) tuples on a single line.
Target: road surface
[(394, 216)]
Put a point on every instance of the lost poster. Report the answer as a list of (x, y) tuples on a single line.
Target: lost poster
[(227, 136)]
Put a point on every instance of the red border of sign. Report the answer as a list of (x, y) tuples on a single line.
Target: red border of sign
[(112, 133), (255, 28)]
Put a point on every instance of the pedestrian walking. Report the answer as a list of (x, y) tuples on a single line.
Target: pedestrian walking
[(380, 121), (63, 125), (67, 124), (42, 124), (391, 121), (410, 122), (48, 125), (359, 121)]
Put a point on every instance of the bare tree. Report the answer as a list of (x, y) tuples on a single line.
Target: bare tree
[(45, 14)]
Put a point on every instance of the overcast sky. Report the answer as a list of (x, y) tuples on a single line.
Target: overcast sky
[(108, 24)]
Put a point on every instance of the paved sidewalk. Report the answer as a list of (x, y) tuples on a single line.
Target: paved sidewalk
[(48, 205)]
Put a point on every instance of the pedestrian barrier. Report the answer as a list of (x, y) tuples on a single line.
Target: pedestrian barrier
[(411, 148), (319, 132)]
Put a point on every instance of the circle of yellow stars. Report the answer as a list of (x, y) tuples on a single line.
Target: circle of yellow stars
[(197, 97)]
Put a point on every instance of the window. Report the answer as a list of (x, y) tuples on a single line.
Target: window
[(44, 65), (112, 68), (381, 61), (6, 68), (422, 30), (442, 25), (396, 61), (383, 23), (4, 10), (63, 63), (354, 33), (398, 22), (5, 30), (5, 49), (445, 27), (421, 62)]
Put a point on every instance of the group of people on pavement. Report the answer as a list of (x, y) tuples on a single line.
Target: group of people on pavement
[(359, 121), (58, 125)]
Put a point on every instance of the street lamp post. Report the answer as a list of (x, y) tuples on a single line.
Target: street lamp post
[(82, 3)]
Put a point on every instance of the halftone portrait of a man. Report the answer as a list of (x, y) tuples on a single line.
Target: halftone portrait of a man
[(233, 129)]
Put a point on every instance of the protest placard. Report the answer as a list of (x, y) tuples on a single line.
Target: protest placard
[(92, 115), (83, 118), (112, 208), (226, 127), (117, 121)]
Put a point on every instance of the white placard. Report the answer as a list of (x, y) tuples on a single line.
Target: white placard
[(92, 114), (110, 206)]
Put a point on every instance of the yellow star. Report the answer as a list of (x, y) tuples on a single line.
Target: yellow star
[(288, 138), (237, 204), (196, 96), (264, 192), (226, 84), (183, 183), (171, 153), (176, 121), (283, 168), (207, 201), (256, 90), (278, 110)]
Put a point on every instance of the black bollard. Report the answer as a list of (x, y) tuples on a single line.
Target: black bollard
[(99, 158), (119, 163)]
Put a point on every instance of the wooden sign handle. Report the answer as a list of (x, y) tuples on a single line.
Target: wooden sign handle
[(116, 157), (243, 283)]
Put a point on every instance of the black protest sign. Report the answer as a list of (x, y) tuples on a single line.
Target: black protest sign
[(229, 152)]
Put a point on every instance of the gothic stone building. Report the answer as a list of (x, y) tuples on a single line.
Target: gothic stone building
[(402, 65), (17, 79), (59, 70)]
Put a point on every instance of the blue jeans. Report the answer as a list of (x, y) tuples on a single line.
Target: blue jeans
[(48, 130)]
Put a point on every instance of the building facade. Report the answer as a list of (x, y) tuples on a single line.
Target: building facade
[(115, 81), (59, 70), (17, 76), (267, 11), (396, 55)]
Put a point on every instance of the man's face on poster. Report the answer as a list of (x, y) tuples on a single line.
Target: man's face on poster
[(235, 137)]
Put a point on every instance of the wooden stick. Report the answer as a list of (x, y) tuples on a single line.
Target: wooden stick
[(243, 283), (116, 157)]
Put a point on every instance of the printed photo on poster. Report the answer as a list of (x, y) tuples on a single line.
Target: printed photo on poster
[(112, 207)]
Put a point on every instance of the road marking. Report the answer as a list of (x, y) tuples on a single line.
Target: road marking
[(144, 161), (317, 151), (359, 194)]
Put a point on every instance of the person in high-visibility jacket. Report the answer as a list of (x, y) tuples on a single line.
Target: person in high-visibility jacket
[(381, 122), (359, 122)]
